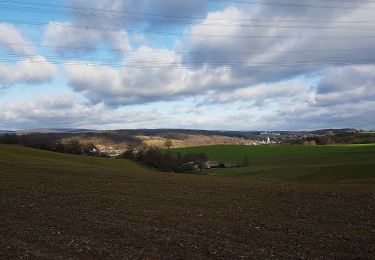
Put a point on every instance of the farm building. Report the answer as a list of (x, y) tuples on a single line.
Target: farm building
[(213, 164)]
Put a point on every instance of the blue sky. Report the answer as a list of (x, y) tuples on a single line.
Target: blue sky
[(229, 65)]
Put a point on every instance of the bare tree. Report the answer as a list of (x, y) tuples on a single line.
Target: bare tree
[(168, 143)]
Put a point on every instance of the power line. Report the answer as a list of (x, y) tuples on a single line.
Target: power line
[(216, 61), (54, 46), (272, 26), (293, 5), (95, 28), (312, 37), (160, 19), (231, 65), (114, 13)]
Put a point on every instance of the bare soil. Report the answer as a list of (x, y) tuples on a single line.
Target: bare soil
[(56, 206)]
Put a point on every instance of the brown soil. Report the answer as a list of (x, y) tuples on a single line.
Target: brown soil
[(57, 211)]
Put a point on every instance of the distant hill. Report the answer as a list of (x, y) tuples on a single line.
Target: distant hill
[(3, 132), (171, 133), (117, 141), (335, 131), (54, 130)]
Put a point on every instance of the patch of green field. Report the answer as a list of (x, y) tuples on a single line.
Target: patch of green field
[(35, 157), (368, 132), (292, 162)]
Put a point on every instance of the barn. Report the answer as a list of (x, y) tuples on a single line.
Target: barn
[(213, 164)]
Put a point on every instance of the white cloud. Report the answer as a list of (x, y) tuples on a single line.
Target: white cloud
[(224, 69), (341, 85), (268, 48), (66, 110), (28, 70), (258, 95), (147, 75), (67, 38), (150, 14), (24, 65), (12, 41), (266, 74), (303, 116), (96, 22)]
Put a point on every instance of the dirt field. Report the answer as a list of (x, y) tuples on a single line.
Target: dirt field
[(55, 206)]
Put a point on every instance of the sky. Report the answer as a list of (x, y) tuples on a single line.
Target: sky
[(197, 64)]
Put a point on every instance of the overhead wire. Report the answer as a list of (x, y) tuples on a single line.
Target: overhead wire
[(191, 64), (217, 61), (293, 5), (121, 28), (115, 13), (55, 46), (315, 37), (179, 66), (203, 35)]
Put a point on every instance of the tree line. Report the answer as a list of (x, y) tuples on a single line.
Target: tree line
[(49, 143), (339, 138), (165, 160)]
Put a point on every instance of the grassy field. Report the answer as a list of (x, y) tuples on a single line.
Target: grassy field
[(321, 163), (291, 202)]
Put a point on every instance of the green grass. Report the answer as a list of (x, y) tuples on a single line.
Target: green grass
[(279, 162), (35, 157), (299, 163)]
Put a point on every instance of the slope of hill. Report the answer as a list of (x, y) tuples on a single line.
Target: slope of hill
[(6, 132), (58, 206)]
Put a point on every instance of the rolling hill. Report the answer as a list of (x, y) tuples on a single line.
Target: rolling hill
[(58, 206)]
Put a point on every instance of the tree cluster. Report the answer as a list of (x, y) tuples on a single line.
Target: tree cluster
[(339, 138), (50, 144), (165, 160)]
